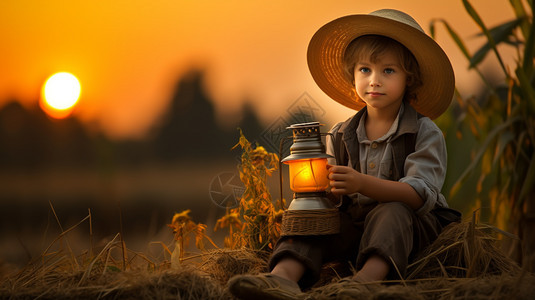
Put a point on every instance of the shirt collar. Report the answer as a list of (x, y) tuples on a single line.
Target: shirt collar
[(361, 128)]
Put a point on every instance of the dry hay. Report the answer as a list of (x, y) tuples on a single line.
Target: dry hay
[(224, 263), (463, 263), (442, 273), (202, 276), (58, 280), (463, 250), (504, 286), (494, 287), (186, 283)]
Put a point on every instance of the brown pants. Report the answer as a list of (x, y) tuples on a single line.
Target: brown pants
[(391, 230)]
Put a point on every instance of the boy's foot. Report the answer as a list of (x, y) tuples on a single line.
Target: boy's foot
[(263, 287)]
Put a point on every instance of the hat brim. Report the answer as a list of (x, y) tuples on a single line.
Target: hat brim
[(328, 45)]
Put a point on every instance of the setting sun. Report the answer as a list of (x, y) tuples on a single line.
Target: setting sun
[(60, 94)]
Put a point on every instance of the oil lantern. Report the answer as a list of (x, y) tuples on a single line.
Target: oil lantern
[(310, 211)]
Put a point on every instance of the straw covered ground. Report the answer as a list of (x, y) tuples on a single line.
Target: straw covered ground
[(464, 263)]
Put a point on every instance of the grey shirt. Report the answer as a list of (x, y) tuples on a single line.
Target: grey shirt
[(424, 169)]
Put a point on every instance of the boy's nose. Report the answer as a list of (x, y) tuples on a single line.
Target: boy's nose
[(374, 80)]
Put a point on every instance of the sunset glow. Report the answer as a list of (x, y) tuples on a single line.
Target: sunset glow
[(60, 94), (130, 55)]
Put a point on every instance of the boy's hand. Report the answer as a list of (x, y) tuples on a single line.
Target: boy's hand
[(346, 180), (343, 180)]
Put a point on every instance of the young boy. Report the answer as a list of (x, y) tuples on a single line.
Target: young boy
[(390, 157)]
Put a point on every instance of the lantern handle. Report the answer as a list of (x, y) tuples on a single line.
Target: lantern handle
[(284, 139), (340, 201)]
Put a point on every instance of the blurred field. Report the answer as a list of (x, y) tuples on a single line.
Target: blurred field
[(147, 197)]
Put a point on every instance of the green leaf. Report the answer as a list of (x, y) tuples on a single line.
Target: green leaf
[(518, 159), (475, 16), (527, 89), (500, 34), (479, 55), (520, 13), (504, 139), (454, 36), (461, 46), (432, 29), (491, 136), (529, 51), (529, 182)]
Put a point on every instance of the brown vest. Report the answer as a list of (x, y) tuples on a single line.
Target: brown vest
[(346, 144), (403, 143)]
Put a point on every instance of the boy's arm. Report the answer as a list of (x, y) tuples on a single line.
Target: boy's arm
[(346, 180)]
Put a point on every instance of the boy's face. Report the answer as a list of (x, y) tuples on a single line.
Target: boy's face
[(381, 84)]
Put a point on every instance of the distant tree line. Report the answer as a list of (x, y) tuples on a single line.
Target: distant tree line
[(29, 139)]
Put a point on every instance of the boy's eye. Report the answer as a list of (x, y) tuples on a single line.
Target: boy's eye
[(364, 70), (389, 71)]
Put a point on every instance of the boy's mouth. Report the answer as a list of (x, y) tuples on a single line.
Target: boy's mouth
[(375, 94)]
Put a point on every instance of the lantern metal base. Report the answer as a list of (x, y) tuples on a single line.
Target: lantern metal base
[(310, 214), (313, 200)]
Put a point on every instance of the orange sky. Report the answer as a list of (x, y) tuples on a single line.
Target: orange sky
[(129, 54)]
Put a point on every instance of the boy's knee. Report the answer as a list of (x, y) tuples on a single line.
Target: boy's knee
[(395, 213)]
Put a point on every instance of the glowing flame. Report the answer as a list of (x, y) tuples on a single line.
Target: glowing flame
[(308, 175)]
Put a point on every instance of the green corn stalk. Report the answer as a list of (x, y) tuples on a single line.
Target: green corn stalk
[(503, 125)]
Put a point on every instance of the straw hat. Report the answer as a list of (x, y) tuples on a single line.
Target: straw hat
[(328, 45)]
